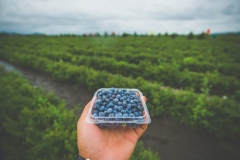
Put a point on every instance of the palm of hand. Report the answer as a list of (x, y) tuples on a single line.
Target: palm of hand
[(97, 143)]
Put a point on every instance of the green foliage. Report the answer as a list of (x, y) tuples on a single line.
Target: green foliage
[(174, 35), (105, 34), (207, 70), (125, 35), (144, 154), (135, 34), (202, 36), (166, 34), (36, 125), (190, 36), (33, 123), (97, 35)]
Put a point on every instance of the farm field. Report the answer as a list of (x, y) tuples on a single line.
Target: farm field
[(36, 123), (194, 81)]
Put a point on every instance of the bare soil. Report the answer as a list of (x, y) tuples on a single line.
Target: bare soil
[(173, 141)]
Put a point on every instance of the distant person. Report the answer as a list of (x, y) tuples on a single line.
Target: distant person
[(106, 144)]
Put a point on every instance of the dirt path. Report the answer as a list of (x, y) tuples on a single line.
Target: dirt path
[(170, 139)]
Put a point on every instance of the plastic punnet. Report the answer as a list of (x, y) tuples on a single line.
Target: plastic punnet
[(107, 98)]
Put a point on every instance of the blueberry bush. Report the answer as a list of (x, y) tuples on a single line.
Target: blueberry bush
[(195, 81), (36, 124)]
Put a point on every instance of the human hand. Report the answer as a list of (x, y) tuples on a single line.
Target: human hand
[(103, 143)]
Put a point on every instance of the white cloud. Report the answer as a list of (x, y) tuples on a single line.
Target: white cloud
[(79, 16)]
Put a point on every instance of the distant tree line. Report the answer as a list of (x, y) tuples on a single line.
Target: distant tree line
[(189, 36)]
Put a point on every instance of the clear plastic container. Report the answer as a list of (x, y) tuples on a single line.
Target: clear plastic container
[(125, 115)]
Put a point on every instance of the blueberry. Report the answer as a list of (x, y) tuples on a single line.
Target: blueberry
[(124, 104), (135, 96), (119, 108), (115, 101), (123, 111), (119, 103), (135, 101), (128, 111), (121, 99), (101, 114), (139, 108), (102, 108), (134, 105), (103, 92), (118, 96), (106, 113), (110, 110), (115, 107), (111, 115), (115, 111), (96, 107), (125, 115), (129, 106), (95, 114), (131, 115), (99, 101), (111, 104), (127, 93), (108, 106), (140, 113), (136, 114), (118, 115), (112, 89), (95, 111)]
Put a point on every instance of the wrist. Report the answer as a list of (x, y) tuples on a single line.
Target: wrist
[(79, 157)]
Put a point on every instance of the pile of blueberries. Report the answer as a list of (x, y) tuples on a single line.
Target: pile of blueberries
[(117, 104)]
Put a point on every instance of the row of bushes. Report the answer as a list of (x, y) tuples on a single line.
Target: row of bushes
[(37, 125), (168, 74), (165, 73), (217, 115), (197, 56), (182, 56), (184, 61)]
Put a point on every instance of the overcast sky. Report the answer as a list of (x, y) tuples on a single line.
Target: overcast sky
[(142, 16)]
